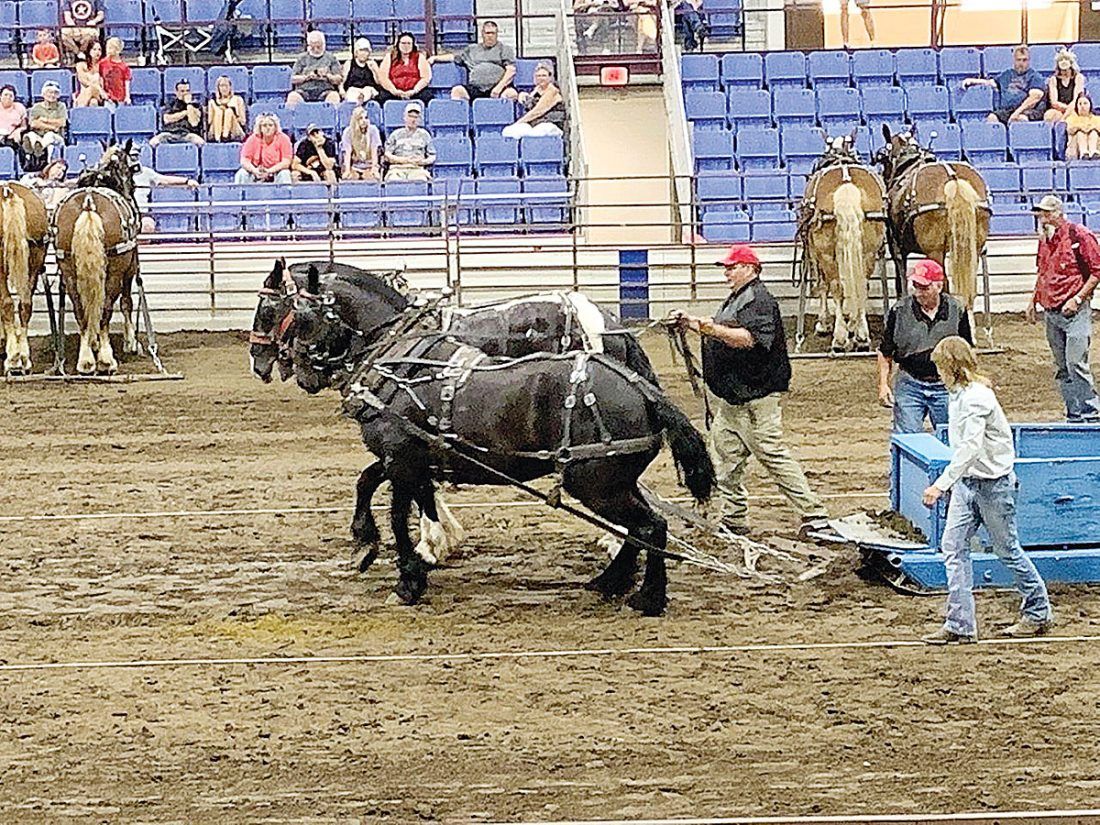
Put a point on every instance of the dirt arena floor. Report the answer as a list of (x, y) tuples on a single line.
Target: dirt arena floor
[(845, 731)]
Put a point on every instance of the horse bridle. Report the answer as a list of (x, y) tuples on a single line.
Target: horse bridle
[(275, 335)]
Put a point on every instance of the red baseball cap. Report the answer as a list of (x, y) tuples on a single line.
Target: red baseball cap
[(926, 272), (739, 254)]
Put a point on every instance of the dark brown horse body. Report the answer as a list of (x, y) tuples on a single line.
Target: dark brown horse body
[(24, 230), (96, 229)]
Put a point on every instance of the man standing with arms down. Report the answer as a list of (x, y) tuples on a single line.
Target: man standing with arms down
[(914, 326), (745, 366), (1068, 264)]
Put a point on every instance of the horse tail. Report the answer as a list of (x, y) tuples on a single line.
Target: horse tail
[(688, 447), (16, 248), (962, 227), (848, 211), (637, 359), (91, 263)]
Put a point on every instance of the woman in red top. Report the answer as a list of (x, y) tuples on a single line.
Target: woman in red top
[(115, 73), (266, 155), (405, 73), (87, 75)]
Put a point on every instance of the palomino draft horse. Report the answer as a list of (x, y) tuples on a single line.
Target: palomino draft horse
[(842, 230), (95, 231), (939, 209), (24, 230), (432, 409)]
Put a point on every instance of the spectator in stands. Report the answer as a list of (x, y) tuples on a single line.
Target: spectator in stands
[(1082, 131), (13, 119), (361, 74), (1021, 90), (80, 22), (116, 74), (315, 158), (405, 72), (409, 149), (266, 155), (48, 120), (49, 183), (1064, 86), (864, 7), (544, 113), (360, 145), (645, 13), (691, 26), (490, 64), (91, 91), (225, 113), (144, 181), (182, 119), (45, 54), (316, 75)]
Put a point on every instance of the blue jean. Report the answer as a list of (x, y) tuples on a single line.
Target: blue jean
[(992, 502), (243, 178), (914, 400), (1069, 340)]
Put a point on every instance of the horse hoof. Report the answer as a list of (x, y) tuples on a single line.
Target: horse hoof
[(647, 604), (610, 588), (85, 368), (107, 369), (409, 591)]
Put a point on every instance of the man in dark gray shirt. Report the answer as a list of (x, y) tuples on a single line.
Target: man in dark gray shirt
[(316, 75), (490, 64)]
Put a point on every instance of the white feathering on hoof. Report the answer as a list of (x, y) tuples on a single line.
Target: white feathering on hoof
[(433, 546)]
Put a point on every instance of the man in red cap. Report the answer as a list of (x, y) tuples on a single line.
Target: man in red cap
[(745, 366), (914, 326)]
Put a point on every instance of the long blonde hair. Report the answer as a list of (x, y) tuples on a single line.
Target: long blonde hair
[(262, 119), (957, 363), (359, 135)]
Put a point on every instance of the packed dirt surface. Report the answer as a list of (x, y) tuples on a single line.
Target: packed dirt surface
[(760, 732)]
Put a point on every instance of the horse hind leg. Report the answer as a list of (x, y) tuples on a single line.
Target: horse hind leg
[(105, 354), (413, 572), (130, 344)]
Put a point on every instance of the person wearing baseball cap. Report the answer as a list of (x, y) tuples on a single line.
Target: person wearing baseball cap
[(746, 368), (409, 149), (1068, 266), (914, 326), (361, 74), (315, 158), (48, 119)]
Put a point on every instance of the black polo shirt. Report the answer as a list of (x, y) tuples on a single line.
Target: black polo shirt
[(739, 375), (911, 335)]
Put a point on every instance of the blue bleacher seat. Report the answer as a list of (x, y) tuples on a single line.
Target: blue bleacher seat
[(837, 108), (313, 216), (725, 227), (699, 72), (220, 161), (334, 18), (448, 117), (496, 156), (202, 12), (829, 69), (18, 80), (1092, 218), (749, 107), (758, 148), (194, 75), (499, 210), (179, 220), (1084, 179), (770, 224), (706, 110), (82, 154), (9, 21), (984, 142), (65, 78), (165, 12), (796, 107), (90, 123), (796, 186), (226, 212), (547, 210), (883, 105), (393, 115), (742, 71), (7, 162), (454, 157), (1011, 219), (765, 191), (1042, 57), (525, 71), (445, 76), (947, 143), (719, 192), (239, 76), (958, 63), (1038, 179), (285, 115), (801, 146), (995, 59), (872, 67), (260, 213), (917, 67), (724, 18), (713, 150), (454, 23), (287, 17), (928, 103), (971, 104), (409, 16), (145, 86), (405, 212), (1088, 57), (177, 159), (37, 14), (864, 148), (358, 215), (270, 82), (323, 114), (540, 156), (490, 115), (125, 19), (785, 70), (1030, 141), (1002, 180), (145, 155)]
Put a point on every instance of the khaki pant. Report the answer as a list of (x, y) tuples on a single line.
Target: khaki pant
[(756, 428), (415, 173)]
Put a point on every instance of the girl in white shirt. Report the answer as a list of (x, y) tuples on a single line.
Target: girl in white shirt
[(983, 492)]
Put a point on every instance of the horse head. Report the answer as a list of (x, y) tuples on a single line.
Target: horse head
[(900, 151), (325, 347), (271, 335), (838, 150), (115, 170)]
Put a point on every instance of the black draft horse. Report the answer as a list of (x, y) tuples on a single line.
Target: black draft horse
[(433, 408)]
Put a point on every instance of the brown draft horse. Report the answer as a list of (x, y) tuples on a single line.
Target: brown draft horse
[(24, 229), (96, 229), (939, 209), (842, 230)]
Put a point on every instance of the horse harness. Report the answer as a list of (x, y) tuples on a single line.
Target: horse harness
[(129, 219), (905, 184), (811, 218), (571, 320)]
